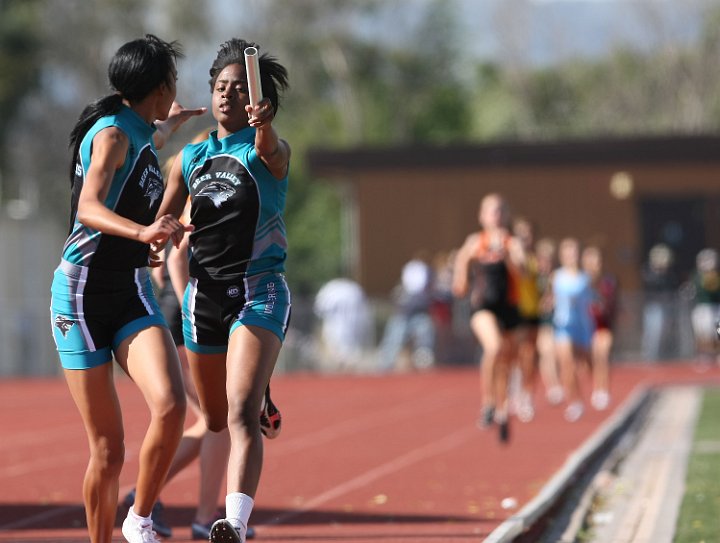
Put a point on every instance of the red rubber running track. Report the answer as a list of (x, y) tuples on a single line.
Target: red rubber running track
[(395, 458)]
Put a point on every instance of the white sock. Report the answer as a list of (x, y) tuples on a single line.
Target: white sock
[(238, 507), (139, 519)]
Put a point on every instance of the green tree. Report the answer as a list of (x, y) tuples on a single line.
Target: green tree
[(20, 47), (63, 75)]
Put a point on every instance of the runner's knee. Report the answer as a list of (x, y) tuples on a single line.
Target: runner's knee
[(107, 457)]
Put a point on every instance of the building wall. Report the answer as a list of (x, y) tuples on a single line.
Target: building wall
[(403, 211)]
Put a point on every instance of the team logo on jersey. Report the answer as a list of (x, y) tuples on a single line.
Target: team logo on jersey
[(218, 191), (63, 324), (233, 291), (154, 189)]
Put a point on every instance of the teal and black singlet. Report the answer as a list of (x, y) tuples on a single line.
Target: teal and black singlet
[(238, 246), (135, 192), (236, 207), (101, 292)]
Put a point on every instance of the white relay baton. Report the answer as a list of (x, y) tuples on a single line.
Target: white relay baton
[(253, 75)]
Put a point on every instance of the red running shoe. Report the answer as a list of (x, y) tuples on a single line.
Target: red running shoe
[(270, 418)]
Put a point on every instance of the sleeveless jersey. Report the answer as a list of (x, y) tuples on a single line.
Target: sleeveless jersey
[(573, 297), (236, 207), (494, 282), (527, 289), (135, 192)]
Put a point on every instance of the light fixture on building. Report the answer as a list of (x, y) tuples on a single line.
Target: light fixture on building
[(621, 185)]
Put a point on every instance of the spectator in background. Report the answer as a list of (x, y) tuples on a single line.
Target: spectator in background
[(572, 321), (411, 324), (546, 254), (705, 296), (347, 322), (603, 308), (441, 306), (660, 286)]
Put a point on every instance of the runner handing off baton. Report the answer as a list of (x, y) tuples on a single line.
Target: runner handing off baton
[(237, 298)]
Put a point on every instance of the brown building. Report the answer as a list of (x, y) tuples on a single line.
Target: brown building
[(623, 194)]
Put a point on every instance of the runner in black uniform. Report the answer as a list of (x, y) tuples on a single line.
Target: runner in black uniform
[(102, 302), (486, 268), (237, 304)]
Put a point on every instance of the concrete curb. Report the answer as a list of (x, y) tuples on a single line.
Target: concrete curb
[(577, 462)]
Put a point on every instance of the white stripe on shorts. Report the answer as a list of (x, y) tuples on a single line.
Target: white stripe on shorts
[(82, 281), (192, 283), (141, 293)]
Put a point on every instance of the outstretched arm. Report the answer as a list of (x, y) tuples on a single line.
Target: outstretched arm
[(177, 116), (272, 150)]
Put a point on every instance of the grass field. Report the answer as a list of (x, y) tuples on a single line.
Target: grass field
[(699, 519)]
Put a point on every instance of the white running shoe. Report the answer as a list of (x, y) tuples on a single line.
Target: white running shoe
[(526, 409), (574, 411), (555, 395), (600, 399), (136, 532)]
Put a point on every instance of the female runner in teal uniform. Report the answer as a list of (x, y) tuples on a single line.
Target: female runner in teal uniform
[(237, 305), (102, 301)]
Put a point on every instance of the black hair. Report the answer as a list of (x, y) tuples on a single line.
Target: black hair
[(135, 70), (273, 75)]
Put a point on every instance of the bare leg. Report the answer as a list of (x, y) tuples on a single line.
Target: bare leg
[(94, 394), (527, 362), (503, 364), (191, 441), (569, 358), (214, 454), (150, 359), (197, 441), (188, 449), (548, 364), (602, 343), (568, 370), (484, 325), (213, 449), (252, 354), (527, 356)]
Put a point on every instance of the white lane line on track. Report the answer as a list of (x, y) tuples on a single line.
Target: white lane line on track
[(434, 448), (352, 426), (326, 435), (56, 462), (45, 516), (40, 517), (35, 435)]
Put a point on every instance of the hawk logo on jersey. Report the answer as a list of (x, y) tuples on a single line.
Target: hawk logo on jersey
[(218, 192), (154, 190), (63, 324)]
